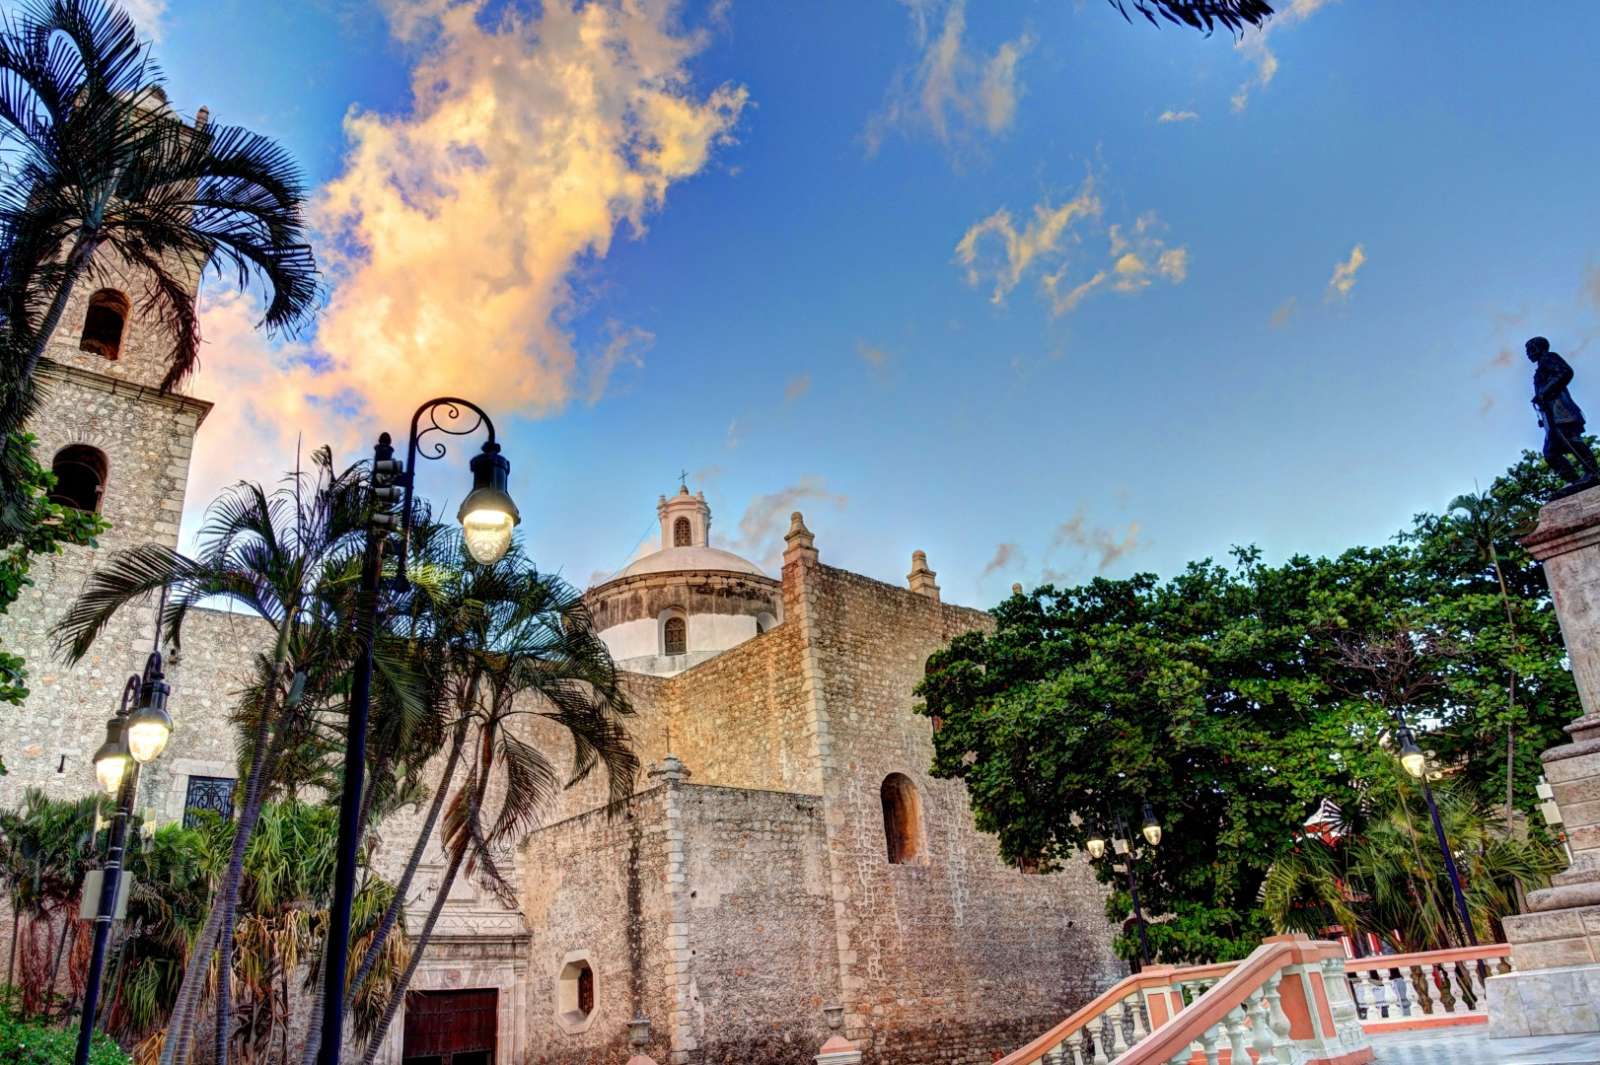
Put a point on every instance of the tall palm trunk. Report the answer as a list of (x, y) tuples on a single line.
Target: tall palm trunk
[(77, 259), (392, 1007), (1511, 690), (391, 916), (181, 1025), (230, 898)]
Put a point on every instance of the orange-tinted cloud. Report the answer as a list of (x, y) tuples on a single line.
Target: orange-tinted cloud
[(455, 238)]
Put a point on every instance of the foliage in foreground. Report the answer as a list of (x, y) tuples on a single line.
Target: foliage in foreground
[(46, 847), (27, 1042), (1221, 696)]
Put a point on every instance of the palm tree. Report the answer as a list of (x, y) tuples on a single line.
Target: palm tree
[(99, 162), (1380, 872), (1483, 522), (291, 558), (528, 652), (1204, 15)]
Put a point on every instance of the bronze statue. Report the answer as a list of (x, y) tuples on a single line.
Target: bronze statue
[(1561, 418)]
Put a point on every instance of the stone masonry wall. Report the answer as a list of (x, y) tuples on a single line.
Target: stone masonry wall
[(958, 956), (147, 441), (738, 720), (760, 926), (597, 883)]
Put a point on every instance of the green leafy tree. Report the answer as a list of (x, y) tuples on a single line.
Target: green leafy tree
[(98, 162), (1221, 697)]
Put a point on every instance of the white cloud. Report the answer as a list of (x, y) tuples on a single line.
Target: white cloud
[(766, 519), (1106, 545), (457, 235), (1006, 556), (954, 92), (1253, 45), (1178, 116), (147, 15), (1285, 312), (995, 251), (1019, 248), (1344, 274)]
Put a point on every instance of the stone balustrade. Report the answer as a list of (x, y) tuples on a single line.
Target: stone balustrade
[(1436, 988)]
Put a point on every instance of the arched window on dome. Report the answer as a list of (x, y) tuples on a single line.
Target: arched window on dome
[(80, 477), (675, 636), (102, 325), (902, 820), (682, 536)]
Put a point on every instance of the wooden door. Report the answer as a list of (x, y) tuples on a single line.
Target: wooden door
[(451, 1027)]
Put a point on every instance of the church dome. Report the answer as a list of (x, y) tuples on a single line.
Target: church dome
[(686, 602), (679, 559)]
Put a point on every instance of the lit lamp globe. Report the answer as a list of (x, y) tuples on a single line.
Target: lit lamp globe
[(1151, 827), (488, 515), (111, 760), (1411, 756), (1097, 846), (148, 729)]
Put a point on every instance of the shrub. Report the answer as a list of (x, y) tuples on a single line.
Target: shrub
[(25, 1042)]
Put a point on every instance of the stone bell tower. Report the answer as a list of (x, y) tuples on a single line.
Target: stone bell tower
[(120, 447)]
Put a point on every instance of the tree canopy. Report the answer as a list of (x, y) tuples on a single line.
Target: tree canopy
[(1222, 697)]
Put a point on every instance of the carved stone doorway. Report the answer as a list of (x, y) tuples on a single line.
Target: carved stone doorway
[(451, 1027)]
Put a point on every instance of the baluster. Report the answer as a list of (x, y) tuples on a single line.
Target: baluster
[(1419, 984), (1055, 1056), (1235, 1026), (1261, 1027), (1099, 1038), (1279, 1022), (1075, 1044), (1447, 993), (1141, 1026), (1505, 965), (1380, 996), (1119, 1042), (1208, 1043), (1401, 992), (1471, 985)]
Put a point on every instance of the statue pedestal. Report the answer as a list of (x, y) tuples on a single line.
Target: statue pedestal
[(1555, 946)]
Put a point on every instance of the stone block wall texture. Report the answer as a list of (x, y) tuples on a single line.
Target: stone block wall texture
[(757, 896), (597, 883), (147, 441), (960, 956)]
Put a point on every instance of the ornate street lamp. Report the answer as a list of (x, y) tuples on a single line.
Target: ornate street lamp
[(1122, 845), (135, 736), (487, 517), (1415, 761)]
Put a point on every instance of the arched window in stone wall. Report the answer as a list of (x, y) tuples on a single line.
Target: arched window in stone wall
[(80, 477), (102, 326), (902, 820), (682, 536), (675, 636)]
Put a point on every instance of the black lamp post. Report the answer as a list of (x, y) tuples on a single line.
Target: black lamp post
[(136, 735), (1122, 845), (487, 517), (1415, 762)]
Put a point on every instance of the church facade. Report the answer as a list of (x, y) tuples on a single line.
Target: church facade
[(786, 870)]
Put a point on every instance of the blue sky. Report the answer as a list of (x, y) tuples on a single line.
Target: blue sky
[(785, 311)]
